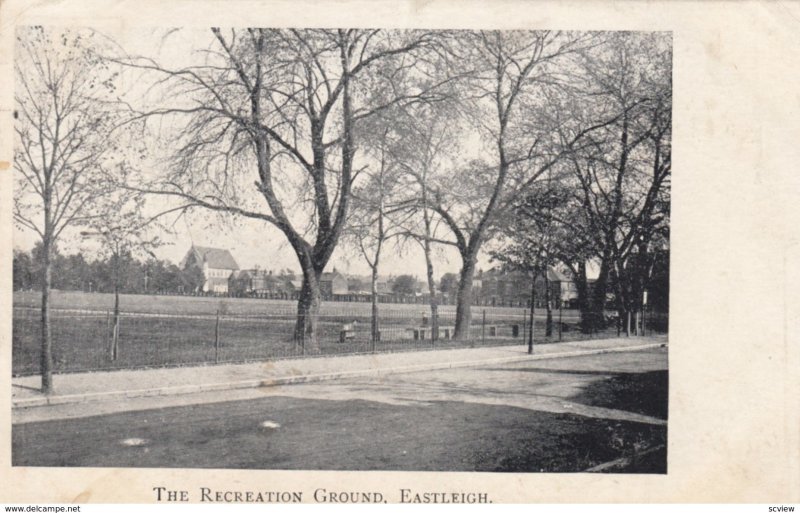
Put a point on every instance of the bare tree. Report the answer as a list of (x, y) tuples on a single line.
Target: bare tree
[(422, 152), (372, 224), (123, 231), (267, 130), (502, 95), (62, 144)]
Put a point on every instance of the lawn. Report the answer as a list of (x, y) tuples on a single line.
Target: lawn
[(355, 435), (63, 299), (182, 330), (552, 415)]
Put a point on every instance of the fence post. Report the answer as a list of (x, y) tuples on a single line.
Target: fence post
[(531, 326), (115, 338), (628, 324), (108, 331), (524, 326), (644, 321), (641, 322), (435, 323), (560, 310), (483, 328), (216, 339)]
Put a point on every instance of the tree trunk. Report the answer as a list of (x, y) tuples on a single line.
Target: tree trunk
[(306, 331), (115, 331), (375, 329), (532, 314), (547, 300), (464, 300), (426, 246), (434, 301), (598, 299), (46, 357), (583, 298), (628, 323)]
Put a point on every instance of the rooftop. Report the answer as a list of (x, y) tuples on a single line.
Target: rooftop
[(215, 257)]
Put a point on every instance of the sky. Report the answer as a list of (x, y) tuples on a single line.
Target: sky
[(256, 243), (252, 242)]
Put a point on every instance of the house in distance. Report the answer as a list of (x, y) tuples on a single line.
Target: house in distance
[(217, 266), (333, 283)]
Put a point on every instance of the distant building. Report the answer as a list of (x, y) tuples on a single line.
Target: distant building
[(563, 290), (515, 287), (363, 284), (333, 283), (358, 285), (248, 281), (262, 282), (217, 266), (385, 284)]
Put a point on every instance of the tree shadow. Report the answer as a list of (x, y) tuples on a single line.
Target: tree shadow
[(645, 393), (541, 370), (355, 435)]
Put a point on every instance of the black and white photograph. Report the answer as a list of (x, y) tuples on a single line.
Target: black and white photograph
[(341, 249), (407, 252)]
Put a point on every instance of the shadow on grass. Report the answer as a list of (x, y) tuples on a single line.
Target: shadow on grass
[(313, 434), (554, 371), (654, 462), (645, 393)]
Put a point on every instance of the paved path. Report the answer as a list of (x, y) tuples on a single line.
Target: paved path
[(115, 385), (542, 385)]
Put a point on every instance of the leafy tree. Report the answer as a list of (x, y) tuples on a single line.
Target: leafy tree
[(612, 186), (532, 238), (23, 271), (357, 285), (123, 232), (448, 284), (622, 176), (239, 284), (405, 285), (192, 279)]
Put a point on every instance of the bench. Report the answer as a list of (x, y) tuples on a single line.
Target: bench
[(347, 333), (423, 332)]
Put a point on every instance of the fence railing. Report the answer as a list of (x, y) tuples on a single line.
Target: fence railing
[(293, 296), (83, 340)]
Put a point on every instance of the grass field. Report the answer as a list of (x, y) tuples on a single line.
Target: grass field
[(182, 330), (194, 305), (553, 415)]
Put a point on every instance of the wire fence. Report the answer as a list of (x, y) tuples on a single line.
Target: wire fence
[(88, 340)]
